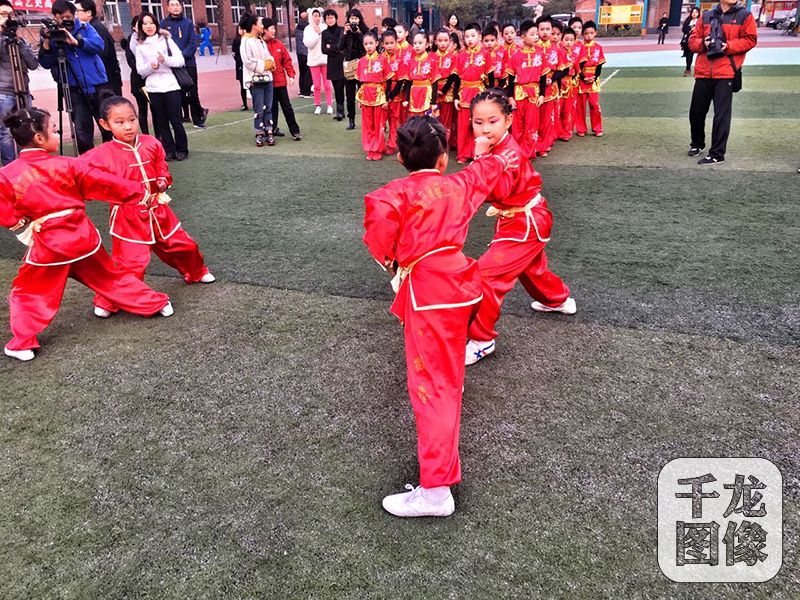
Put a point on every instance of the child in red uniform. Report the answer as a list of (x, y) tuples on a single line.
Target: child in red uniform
[(394, 97), (496, 57), (472, 67), (552, 65), (523, 229), (510, 43), (373, 73), (45, 195), (416, 228), (422, 84), (569, 90), (406, 54), (591, 63), (555, 39), (138, 230), (525, 89), (445, 63)]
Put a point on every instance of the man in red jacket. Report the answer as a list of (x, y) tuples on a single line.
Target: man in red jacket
[(735, 28), (280, 92)]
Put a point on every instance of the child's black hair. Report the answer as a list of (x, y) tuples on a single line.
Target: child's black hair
[(389, 23), (544, 19), (26, 123), (421, 141), (526, 26), (495, 95), (371, 34), (389, 33), (489, 31), (590, 25), (441, 30), (569, 31), (505, 25), (557, 26), (474, 26), (574, 20), (422, 33), (496, 26), (109, 100), (456, 40)]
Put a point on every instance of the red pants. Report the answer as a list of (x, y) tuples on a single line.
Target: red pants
[(435, 342), (505, 262), (547, 123), (179, 251), (393, 118), (466, 140), (36, 294), (567, 117), (447, 117), (373, 121), (526, 126), (595, 114)]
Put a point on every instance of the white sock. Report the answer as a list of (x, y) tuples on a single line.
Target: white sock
[(437, 494)]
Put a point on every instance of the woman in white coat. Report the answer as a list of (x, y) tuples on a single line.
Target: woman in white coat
[(317, 61), (156, 55)]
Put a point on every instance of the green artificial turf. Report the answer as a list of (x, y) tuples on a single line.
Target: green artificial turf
[(240, 449)]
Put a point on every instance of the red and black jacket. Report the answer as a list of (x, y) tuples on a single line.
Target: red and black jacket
[(739, 28)]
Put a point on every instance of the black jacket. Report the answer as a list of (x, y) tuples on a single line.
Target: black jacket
[(137, 82), (330, 47), (109, 56), (352, 42)]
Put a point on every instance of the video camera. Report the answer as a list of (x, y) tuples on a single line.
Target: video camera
[(55, 31), (10, 28), (716, 38)]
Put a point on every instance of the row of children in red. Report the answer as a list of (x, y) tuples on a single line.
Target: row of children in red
[(44, 196), (449, 304), (550, 79)]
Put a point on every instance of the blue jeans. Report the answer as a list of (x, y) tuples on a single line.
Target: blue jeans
[(8, 149), (262, 105)]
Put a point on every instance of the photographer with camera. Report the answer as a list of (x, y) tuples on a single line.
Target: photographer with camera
[(351, 44), (8, 94), (721, 38), (81, 46)]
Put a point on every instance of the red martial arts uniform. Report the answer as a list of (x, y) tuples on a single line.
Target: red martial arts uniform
[(471, 67), (406, 58), (445, 63), (517, 249), (547, 111), (421, 222), (569, 93), (591, 57), (526, 68), (395, 105), (373, 72), (50, 191), (498, 60), (136, 230), (422, 74)]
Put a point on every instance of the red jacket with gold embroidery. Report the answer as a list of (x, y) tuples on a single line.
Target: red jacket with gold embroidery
[(143, 162), (472, 66), (527, 67), (38, 184), (421, 221), (553, 61), (373, 72), (591, 57), (445, 63), (422, 72)]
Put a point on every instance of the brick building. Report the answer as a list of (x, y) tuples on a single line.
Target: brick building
[(587, 9)]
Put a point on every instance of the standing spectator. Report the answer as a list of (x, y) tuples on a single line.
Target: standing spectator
[(236, 50), (282, 76), (351, 44), (317, 61), (86, 73), (714, 77), (417, 27), (8, 101), (454, 27), (305, 81), (205, 39), (156, 55), (182, 31), (258, 66), (86, 11), (688, 26), (137, 82), (663, 28), (330, 47)]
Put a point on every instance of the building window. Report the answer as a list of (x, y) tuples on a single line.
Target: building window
[(154, 7), (111, 12), (211, 11), (188, 10), (238, 9), (279, 16)]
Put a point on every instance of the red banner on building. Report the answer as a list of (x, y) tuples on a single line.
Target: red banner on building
[(33, 5)]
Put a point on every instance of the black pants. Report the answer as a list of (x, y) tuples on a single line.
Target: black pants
[(661, 35), (338, 92), (689, 58), (280, 95), (719, 91), (242, 92), (167, 112), (351, 87), (142, 107), (85, 107), (305, 80), (191, 100)]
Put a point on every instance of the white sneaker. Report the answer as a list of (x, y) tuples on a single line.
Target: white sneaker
[(421, 502), (477, 351), (568, 307), (167, 311), (318, 110), (23, 355), (101, 312), (208, 278), (330, 110)]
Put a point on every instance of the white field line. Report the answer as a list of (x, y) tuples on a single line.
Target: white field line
[(191, 131), (607, 79)]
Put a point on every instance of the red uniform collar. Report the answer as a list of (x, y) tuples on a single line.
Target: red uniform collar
[(126, 146)]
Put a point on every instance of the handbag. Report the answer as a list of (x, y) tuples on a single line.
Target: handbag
[(736, 86), (350, 68), (181, 74)]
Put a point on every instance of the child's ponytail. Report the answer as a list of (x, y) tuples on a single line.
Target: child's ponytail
[(25, 123), (421, 141)]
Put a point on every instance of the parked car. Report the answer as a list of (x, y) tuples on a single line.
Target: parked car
[(776, 22), (563, 17)]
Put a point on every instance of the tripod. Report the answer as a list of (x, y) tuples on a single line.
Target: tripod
[(64, 100), (21, 91)]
